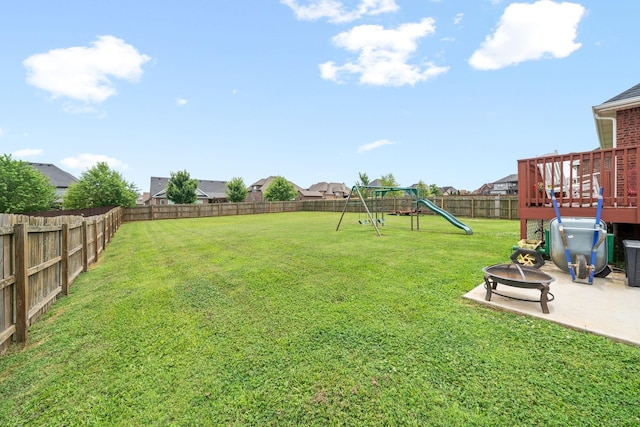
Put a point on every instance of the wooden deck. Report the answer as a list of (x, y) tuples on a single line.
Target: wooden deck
[(575, 179)]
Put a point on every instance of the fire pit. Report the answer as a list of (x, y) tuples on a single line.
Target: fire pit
[(520, 277)]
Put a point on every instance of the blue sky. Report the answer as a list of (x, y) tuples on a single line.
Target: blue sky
[(452, 93)]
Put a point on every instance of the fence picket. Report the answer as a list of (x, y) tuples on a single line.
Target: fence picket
[(40, 257)]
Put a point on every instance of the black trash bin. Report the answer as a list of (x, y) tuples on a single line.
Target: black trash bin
[(632, 261)]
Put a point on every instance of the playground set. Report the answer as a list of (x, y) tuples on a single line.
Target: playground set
[(375, 215)]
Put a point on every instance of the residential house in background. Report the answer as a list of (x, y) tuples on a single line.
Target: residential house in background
[(256, 191), (142, 199), (207, 192), (505, 186), (331, 190), (484, 190), (308, 195), (60, 179), (448, 191)]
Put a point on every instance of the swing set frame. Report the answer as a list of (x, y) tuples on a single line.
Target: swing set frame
[(378, 191)]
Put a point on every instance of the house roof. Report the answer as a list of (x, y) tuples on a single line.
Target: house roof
[(604, 114), (311, 193), (448, 189), (57, 176), (206, 188), (486, 187), (330, 188), (508, 178), (633, 92), (214, 189), (266, 182)]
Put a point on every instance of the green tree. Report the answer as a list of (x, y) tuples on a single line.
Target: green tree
[(423, 190), (100, 186), (435, 190), (181, 189), (236, 190), (23, 188), (389, 180), (280, 190), (364, 182)]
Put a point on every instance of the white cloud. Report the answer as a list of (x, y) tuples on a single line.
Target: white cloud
[(458, 18), (26, 152), (86, 161), (72, 108), (335, 11), (373, 145), (530, 31), (383, 55), (181, 102), (83, 73)]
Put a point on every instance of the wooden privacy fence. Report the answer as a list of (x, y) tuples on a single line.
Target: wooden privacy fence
[(499, 207), (40, 258), (153, 212)]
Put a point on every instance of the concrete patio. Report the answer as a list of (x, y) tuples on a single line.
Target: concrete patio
[(608, 307)]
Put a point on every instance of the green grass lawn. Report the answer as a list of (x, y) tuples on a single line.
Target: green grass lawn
[(278, 319)]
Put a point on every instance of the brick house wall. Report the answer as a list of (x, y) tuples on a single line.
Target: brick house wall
[(628, 127), (627, 135)]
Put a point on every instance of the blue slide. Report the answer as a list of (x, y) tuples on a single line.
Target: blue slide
[(452, 219)]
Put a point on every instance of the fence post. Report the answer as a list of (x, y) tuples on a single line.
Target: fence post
[(65, 259), (109, 218), (104, 233), (85, 246), (95, 240), (21, 236)]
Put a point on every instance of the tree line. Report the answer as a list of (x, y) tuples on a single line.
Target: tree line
[(24, 189)]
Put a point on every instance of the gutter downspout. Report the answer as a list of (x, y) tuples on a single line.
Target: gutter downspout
[(614, 144)]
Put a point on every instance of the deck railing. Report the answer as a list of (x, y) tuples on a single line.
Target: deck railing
[(575, 180)]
